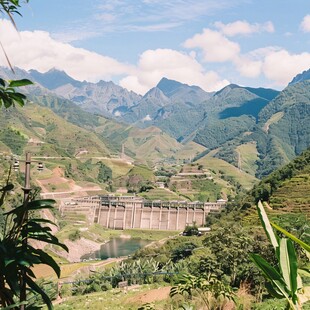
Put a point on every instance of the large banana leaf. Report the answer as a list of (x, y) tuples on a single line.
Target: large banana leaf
[(292, 237), (266, 225), (272, 275), (288, 265)]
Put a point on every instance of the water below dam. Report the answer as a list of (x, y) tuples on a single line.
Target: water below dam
[(117, 247)]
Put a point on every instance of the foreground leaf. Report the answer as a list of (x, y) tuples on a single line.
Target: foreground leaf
[(292, 237), (272, 275), (19, 83), (266, 225), (288, 265)]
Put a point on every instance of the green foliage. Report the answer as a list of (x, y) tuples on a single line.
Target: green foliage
[(8, 95), (283, 280), (138, 271), (183, 251), (207, 190), (147, 306), (13, 139), (17, 256), (217, 132), (229, 246), (191, 230), (292, 237), (105, 173), (209, 289), (94, 284), (75, 235), (139, 179), (11, 7)]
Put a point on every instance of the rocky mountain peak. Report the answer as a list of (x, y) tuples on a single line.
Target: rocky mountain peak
[(305, 75), (53, 78), (168, 87)]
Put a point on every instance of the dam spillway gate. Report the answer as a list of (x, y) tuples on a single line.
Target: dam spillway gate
[(126, 212)]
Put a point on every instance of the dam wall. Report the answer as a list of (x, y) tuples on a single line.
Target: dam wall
[(125, 212)]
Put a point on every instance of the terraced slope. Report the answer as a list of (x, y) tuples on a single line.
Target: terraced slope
[(288, 188)]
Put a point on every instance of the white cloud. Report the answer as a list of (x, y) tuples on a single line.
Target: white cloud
[(248, 67), (281, 66), (305, 24), (155, 64), (274, 63), (250, 64), (243, 28), (153, 15), (38, 50), (73, 35), (215, 46)]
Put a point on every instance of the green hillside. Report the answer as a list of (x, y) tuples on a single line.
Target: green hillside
[(288, 188), (280, 132), (39, 130), (227, 172)]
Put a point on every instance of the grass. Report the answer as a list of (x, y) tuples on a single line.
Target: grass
[(114, 299), (206, 190), (103, 234), (44, 271), (148, 234), (57, 187), (119, 167), (273, 119), (249, 156), (215, 164), (99, 234), (161, 194), (143, 171)]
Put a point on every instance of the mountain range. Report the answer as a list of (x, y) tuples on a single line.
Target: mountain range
[(254, 129)]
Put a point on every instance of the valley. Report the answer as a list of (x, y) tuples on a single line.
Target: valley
[(120, 165), (154, 155)]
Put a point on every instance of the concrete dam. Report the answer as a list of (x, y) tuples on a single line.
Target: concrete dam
[(125, 212)]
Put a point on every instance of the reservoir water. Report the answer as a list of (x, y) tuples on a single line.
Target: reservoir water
[(117, 247)]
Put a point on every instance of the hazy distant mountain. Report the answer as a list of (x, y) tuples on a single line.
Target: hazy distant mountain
[(104, 98), (170, 105), (301, 77), (53, 78), (257, 128)]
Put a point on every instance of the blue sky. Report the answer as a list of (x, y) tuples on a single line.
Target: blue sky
[(209, 43)]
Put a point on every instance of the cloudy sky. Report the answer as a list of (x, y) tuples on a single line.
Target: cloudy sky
[(135, 43)]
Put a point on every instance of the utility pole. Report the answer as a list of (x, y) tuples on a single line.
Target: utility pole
[(26, 189)]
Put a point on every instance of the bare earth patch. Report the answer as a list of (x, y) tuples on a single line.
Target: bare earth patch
[(153, 295), (69, 187)]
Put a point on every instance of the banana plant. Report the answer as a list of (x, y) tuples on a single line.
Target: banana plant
[(283, 280), (292, 237), (17, 257), (209, 289)]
